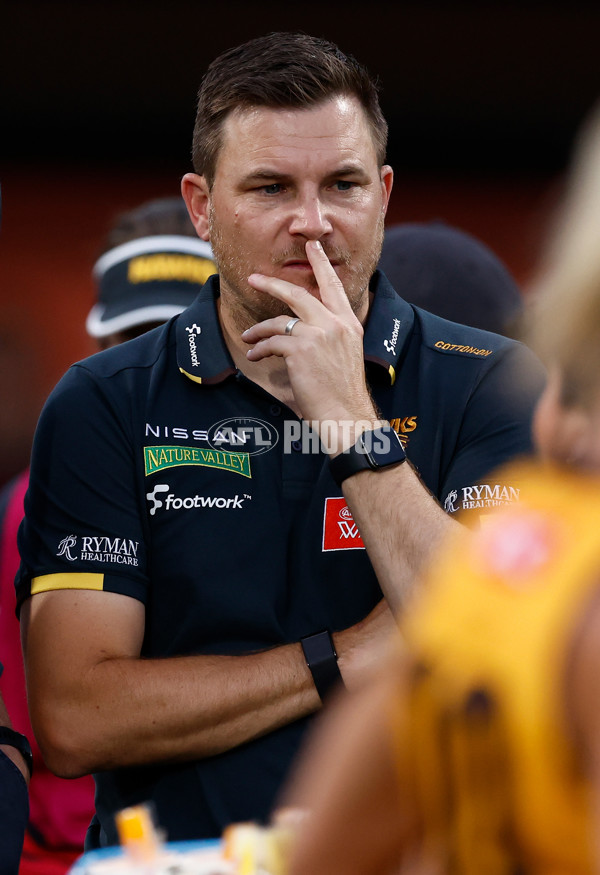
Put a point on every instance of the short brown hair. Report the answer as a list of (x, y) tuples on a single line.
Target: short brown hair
[(279, 70)]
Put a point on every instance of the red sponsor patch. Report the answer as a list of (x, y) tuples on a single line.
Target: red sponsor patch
[(340, 532)]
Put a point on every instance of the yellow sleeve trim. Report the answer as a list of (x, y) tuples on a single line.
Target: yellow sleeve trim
[(48, 582), (392, 373)]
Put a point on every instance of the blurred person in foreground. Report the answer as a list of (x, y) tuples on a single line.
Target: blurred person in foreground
[(451, 273), (193, 582), (152, 268), (477, 747)]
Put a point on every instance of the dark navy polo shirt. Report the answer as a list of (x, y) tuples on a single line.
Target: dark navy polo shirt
[(162, 473)]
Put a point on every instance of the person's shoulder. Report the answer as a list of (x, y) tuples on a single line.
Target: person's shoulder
[(141, 352), (114, 373), (453, 339)]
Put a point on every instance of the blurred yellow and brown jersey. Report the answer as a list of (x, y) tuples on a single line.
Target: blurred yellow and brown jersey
[(498, 780)]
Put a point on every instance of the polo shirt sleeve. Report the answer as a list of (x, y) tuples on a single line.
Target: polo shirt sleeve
[(496, 427), (83, 526)]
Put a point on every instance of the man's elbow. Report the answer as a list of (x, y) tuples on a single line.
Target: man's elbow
[(67, 751)]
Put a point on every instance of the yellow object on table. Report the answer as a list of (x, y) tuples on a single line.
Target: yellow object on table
[(138, 834)]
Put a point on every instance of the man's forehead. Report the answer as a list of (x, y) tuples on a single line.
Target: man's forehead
[(339, 122), (335, 104)]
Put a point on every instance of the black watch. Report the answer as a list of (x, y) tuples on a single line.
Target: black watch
[(372, 451), (321, 658), (21, 742)]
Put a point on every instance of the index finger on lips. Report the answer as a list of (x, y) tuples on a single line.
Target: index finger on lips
[(330, 285)]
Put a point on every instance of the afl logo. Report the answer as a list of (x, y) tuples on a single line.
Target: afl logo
[(345, 514), (252, 436)]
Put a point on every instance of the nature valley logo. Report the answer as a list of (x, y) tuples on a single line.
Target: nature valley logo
[(160, 458)]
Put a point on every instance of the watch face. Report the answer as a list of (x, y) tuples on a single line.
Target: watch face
[(383, 447), (373, 449)]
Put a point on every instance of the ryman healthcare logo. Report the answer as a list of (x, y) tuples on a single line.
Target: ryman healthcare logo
[(340, 532), (121, 551), (171, 502), (483, 495)]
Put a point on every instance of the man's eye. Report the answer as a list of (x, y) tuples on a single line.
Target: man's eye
[(344, 184), (273, 188)]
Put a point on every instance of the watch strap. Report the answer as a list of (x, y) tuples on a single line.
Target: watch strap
[(374, 450), (321, 659), (14, 739)]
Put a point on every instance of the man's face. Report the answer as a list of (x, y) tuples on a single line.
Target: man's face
[(287, 176)]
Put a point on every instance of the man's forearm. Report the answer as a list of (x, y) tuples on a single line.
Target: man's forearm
[(131, 711), (96, 704), (400, 523)]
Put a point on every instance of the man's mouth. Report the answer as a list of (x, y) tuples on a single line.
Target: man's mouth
[(303, 263)]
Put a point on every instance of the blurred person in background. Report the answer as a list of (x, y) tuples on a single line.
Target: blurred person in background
[(152, 268), (153, 278), (448, 272), (477, 747), (15, 773)]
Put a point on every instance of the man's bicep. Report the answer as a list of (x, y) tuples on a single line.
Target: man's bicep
[(66, 633), (69, 636)]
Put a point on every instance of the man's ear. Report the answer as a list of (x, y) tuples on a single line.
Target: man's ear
[(387, 180), (196, 194)]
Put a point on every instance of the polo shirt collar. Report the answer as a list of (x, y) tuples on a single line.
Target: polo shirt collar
[(203, 356), (201, 351), (389, 326)]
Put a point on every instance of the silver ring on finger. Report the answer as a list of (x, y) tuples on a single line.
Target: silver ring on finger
[(290, 326)]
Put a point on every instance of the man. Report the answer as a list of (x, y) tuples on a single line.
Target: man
[(477, 747), (197, 579)]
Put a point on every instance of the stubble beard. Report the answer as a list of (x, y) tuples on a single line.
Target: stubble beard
[(247, 306)]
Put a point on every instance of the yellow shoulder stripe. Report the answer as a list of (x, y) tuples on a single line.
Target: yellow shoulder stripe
[(48, 582)]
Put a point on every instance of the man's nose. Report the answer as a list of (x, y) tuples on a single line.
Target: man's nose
[(310, 218)]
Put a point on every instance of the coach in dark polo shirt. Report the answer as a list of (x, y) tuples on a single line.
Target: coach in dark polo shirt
[(194, 579)]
